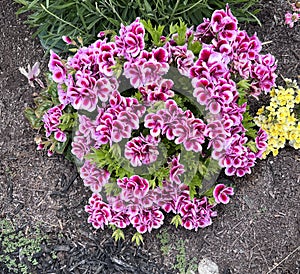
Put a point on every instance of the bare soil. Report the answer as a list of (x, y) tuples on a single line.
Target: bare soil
[(257, 232)]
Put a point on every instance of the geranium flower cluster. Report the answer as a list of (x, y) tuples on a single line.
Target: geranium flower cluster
[(143, 207), (174, 124), (149, 121), (280, 119), (231, 52), (292, 17)]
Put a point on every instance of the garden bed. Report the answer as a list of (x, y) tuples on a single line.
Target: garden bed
[(256, 231)]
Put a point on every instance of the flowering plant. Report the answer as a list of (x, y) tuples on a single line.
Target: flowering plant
[(292, 17), (158, 116), (280, 119)]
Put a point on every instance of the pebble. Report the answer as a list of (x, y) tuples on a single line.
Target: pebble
[(207, 266)]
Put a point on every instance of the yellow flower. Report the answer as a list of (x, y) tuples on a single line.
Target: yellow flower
[(282, 139), (272, 92), (290, 104), (261, 110), (291, 119), (274, 104), (275, 152), (278, 118), (269, 108), (296, 145)]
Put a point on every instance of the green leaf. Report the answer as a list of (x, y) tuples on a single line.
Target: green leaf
[(202, 169), (249, 125), (33, 120), (252, 146), (98, 156), (195, 47), (176, 220), (147, 6), (137, 238), (118, 234), (181, 31), (209, 192), (61, 146), (152, 184), (211, 200), (42, 108), (112, 189), (194, 183), (243, 87), (63, 6), (155, 32), (68, 121)]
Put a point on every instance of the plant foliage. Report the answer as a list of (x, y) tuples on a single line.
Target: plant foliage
[(16, 241), (86, 18)]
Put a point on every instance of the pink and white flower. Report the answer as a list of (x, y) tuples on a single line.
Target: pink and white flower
[(100, 212), (94, 177), (291, 18), (52, 121), (221, 193), (147, 220), (142, 150), (133, 187)]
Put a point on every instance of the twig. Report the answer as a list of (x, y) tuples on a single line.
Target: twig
[(266, 43), (284, 259), (122, 263)]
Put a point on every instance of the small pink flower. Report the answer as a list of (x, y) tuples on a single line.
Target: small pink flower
[(261, 142), (295, 7), (291, 19), (32, 74), (81, 146), (82, 98), (101, 34), (176, 170), (221, 193), (60, 136), (155, 123), (40, 146), (224, 23), (68, 40), (120, 219), (100, 212), (119, 131), (62, 95), (94, 177), (196, 213), (131, 42), (147, 220), (142, 150), (133, 187), (157, 91), (51, 121), (104, 88), (57, 68)]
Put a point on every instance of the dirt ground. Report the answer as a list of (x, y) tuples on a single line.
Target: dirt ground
[(257, 232)]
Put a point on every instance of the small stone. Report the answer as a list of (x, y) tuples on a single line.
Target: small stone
[(207, 266)]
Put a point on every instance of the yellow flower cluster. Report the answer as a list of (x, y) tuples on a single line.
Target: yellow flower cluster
[(280, 118)]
